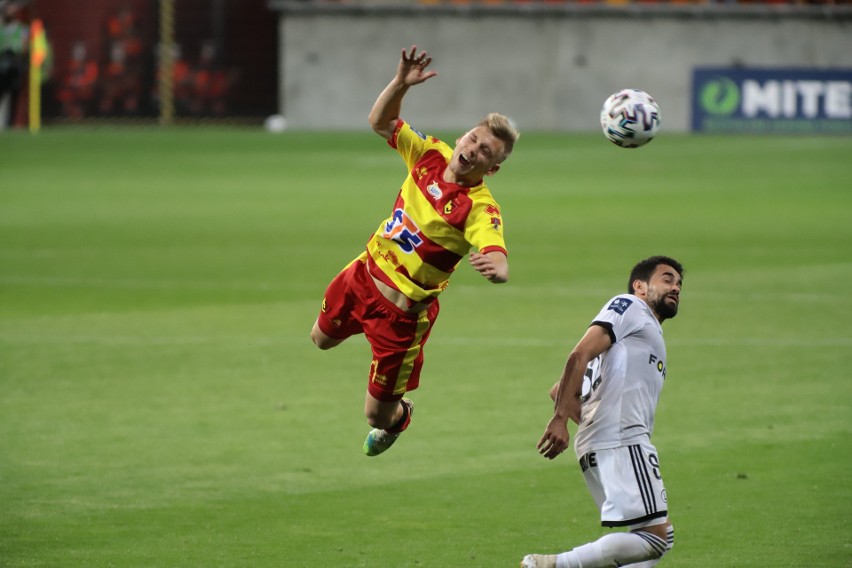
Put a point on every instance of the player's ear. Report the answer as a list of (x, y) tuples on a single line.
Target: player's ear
[(639, 287), (493, 170)]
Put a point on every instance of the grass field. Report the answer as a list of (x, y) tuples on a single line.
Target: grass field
[(161, 404)]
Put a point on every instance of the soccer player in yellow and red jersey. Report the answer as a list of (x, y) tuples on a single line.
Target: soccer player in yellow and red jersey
[(390, 292)]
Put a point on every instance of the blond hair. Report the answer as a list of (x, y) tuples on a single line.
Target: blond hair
[(503, 130)]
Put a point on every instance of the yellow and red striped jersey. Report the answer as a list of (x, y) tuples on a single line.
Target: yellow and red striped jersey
[(433, 224)]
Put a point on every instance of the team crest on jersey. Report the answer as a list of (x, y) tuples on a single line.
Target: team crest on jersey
[(448, 208), (495, 223), (401, 229), (435, 191), (620, 305)]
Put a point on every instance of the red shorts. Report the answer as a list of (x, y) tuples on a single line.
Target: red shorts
[(352, 305)]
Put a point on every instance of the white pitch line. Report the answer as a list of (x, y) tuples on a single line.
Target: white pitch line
[(263, 341), (505, 342), (142, 284), (697, 342)]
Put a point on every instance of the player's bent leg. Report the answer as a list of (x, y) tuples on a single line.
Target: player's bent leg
[(619, 549), (641, 548), (322, 340), (396, 415)]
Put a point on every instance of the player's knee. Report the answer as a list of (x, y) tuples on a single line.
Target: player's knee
[(654, 549), (323, 341), (383, 415), (658, 540), (666, 532), (669, 538)]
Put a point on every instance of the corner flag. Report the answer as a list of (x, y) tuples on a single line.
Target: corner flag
[(38, 53)]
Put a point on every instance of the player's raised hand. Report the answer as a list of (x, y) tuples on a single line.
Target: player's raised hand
[(412, 67)]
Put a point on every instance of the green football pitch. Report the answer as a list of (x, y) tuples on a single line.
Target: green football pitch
[(161, 404)]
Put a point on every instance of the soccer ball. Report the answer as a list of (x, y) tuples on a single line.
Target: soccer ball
[(630, 118), (275, 123)]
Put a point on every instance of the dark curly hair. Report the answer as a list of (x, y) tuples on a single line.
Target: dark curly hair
[(645, 268)]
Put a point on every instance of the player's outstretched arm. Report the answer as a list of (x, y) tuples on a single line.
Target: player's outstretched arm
[(410, 71)]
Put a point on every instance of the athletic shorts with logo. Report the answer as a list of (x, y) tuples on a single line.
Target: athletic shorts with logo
[(627, 485), (353, 305)]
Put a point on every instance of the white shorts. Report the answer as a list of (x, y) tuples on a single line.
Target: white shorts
[(627, 485)]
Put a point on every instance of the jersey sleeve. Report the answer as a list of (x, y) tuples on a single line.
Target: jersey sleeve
[(484, 229), (621, 316), (410, 143)]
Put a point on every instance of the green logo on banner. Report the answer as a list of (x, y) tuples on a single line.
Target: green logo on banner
[(720, 96)]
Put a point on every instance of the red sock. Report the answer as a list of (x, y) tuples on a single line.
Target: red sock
[(404, 420)]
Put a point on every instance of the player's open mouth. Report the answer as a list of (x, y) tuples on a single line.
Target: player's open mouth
[(676, 299), (463, 161)]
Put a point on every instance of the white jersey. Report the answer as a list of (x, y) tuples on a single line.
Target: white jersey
[(623, 384)]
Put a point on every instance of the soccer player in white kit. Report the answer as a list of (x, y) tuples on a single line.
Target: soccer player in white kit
[(610, 387)]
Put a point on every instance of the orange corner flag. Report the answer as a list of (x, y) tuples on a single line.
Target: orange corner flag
[(38, 53)]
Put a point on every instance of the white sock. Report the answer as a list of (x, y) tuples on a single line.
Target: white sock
[(652, 563), (562, 560), (616, 549)]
